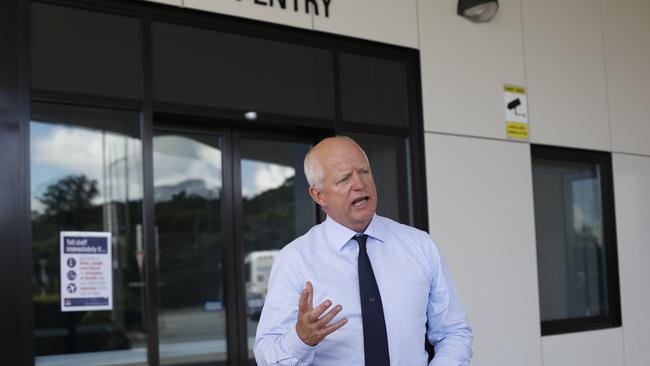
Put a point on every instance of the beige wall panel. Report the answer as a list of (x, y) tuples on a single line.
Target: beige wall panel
[(627, 51), (481, 216), (597, 348), (567, 93), (632, 191), (387, 21), (464, 67), (248, 9)]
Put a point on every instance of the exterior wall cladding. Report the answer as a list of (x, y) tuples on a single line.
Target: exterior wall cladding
[(586, 67)]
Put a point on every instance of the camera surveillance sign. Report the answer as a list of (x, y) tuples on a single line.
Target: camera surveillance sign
[(516, 112), (86, 271)]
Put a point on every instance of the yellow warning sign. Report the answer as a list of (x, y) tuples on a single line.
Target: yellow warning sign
[(514, 89), (517, 130), (516, 111)]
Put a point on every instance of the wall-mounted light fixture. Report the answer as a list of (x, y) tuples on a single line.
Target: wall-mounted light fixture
[(478, 11)]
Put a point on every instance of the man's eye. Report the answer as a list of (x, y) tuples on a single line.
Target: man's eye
[(344, 179)]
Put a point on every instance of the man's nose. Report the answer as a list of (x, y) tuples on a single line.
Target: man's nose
[(357, 183)]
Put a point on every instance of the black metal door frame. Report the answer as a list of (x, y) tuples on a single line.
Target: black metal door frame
[(16, 333), (233, 226), (16, 347)]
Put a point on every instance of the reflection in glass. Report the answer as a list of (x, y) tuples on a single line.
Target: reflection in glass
[(570, 245), (86, 176), (187, 191), (277, 209)]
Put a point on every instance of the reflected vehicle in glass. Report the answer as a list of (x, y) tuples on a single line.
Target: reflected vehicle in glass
[(258, 269)]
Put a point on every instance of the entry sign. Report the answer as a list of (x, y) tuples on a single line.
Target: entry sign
[(86, 271), (516, 112)]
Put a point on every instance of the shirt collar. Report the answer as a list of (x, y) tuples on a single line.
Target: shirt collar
[(339, 235)]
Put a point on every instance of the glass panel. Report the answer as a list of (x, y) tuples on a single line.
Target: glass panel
[(373, 90), (216, 69), (570, 244), (389, 164), (85, 52), (277, 209), (188, 192), (86, 176)]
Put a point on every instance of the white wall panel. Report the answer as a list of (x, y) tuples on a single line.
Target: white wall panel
[(464, 67), (481, 215), (632, 192), (627, 50), (565, 67), (248, 9), (385, 21), (597, 348)]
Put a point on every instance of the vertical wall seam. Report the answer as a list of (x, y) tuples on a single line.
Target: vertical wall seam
[(607, 94), (417, 24), (531, 129), (523, 59)]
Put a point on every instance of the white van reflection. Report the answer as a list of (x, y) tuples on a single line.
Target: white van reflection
[(258, 268)]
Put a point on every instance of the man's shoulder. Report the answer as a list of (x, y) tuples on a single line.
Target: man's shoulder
[(301, 243), (401, 229)]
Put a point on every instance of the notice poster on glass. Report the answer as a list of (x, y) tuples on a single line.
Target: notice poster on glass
[(86, 271)]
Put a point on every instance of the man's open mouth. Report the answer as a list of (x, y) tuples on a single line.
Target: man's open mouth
[(360, 201)]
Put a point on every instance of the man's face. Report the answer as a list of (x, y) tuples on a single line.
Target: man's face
[(348, 194)]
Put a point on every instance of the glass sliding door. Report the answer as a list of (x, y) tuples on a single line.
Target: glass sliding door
[(276, 209), (86, 177), (188, 195)]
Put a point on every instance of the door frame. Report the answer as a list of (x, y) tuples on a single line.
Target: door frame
[(232, 218), (18, 312)]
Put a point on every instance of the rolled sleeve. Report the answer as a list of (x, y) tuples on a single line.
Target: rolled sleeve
[(449, 330), (293, 345), (277, 342)]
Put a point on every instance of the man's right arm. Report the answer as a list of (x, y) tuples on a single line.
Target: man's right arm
[(276, 341), (289, 330)]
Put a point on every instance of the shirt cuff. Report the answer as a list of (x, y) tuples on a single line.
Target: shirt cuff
[(296, 347)]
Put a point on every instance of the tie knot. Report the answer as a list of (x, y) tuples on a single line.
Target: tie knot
[(361, 239)]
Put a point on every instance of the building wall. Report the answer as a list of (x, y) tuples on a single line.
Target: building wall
[(586, 67)]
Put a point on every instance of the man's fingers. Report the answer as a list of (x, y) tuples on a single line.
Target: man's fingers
[(334, 327), (310, 295), (302, 303), (323, 321), (316, 312)]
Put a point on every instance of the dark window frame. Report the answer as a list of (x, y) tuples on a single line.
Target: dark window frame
[(148, 12), (604, 161)]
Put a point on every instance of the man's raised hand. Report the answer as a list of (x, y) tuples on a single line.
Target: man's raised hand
[(311, 326)]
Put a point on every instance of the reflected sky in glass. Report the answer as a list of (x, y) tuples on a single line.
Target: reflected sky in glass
[(59, 150)]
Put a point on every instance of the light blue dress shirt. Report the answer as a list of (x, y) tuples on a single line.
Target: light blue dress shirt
[(414, 284)]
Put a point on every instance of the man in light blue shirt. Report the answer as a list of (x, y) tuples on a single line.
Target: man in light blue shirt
[(321, 267)]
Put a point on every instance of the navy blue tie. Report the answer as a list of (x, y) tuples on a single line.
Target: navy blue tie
[(375, 340)]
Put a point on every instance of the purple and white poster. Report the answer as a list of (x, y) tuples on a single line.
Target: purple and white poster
[(86, 271)]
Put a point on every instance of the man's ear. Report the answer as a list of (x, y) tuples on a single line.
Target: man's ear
[(317, 196)]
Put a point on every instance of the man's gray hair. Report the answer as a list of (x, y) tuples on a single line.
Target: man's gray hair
[(314, 168)]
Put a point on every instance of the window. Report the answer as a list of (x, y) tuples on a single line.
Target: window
[(86, 176), (576, 240)]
